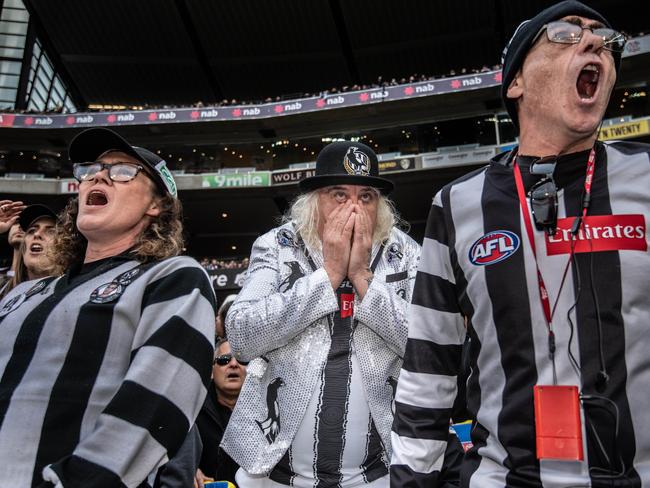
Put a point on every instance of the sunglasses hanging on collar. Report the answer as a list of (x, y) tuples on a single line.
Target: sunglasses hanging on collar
[(543, 195)]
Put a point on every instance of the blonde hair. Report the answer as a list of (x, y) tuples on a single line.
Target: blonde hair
[(305, 216), (161, 238)]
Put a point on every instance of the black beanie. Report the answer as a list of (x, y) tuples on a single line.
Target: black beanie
[(520, 43)]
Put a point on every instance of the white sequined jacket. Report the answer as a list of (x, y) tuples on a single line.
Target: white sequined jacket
[(279, 323)]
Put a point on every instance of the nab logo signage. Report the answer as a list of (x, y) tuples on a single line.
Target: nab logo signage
[(493, 247)]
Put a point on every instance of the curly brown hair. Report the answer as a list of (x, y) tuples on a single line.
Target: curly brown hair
[(162, 238)]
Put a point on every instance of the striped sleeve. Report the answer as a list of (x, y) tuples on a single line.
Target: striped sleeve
[(163, 389), (427, 385)]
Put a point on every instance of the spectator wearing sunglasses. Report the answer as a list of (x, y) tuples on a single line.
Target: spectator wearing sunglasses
[(104, 370), (545, 252), (228, 376)]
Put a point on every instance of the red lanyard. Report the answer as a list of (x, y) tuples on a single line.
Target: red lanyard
[(543, 293)]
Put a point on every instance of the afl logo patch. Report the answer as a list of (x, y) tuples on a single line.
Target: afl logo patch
[(493, 247), (107, 292)]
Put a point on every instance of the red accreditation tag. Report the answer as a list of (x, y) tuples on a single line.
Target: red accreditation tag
[(557, 423), (347, 304)]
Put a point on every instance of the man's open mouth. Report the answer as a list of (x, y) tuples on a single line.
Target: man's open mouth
[(96, 197), (233, 376), (588, 81)]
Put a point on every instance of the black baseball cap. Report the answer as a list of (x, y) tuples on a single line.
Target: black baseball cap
[(34, 212), (90, 144), (347, 163), (517, 48)]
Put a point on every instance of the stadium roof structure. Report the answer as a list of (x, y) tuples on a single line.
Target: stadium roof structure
[(179, 52)]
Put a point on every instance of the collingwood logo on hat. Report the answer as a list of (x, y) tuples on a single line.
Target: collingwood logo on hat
[(356, 162)]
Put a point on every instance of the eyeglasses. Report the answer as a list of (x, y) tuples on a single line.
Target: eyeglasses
[(543, 195), (564, 32), (116, 171), (224, 359)]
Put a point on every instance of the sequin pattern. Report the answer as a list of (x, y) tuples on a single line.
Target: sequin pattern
[(288, 334)]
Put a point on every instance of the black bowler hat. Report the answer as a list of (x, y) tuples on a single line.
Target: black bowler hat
[(90, 144), (347, 163), (32, 213), (515, 52)]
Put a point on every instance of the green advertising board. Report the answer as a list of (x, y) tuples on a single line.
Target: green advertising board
[(237, 180)]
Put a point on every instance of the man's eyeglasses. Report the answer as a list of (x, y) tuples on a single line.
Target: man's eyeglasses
[(543, 195), (564, 32), (224, 359), (116, 171)]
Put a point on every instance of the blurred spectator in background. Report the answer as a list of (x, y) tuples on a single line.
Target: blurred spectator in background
[(9, 213), (220, 319), (227, 379), (37, 224)]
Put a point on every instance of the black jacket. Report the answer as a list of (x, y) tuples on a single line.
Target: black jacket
[(212, 421)]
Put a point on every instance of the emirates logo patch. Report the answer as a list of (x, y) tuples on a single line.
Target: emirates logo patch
[(600, 233)]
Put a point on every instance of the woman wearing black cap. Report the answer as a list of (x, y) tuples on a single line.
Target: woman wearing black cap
[(103, 370)]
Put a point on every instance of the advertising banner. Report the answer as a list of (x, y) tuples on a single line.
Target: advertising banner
[(397, 164), (625, 130), (227, 279), (237, 180), (260, 111), (291, 176)]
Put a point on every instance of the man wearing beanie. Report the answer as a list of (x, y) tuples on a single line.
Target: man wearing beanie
[(541, 259), (322, 320)]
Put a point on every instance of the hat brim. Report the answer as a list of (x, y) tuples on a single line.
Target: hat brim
[(32, 213), (315, 182)]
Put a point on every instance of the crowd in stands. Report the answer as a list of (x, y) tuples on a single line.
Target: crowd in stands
[(212, 264), (381, 82)]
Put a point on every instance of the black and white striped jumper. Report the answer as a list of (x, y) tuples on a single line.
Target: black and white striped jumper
[(477, 263), (102, 371)]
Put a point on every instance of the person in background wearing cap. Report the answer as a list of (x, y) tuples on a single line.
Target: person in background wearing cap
[(37, 225), (103, 370), (323, 309), (545, 252)]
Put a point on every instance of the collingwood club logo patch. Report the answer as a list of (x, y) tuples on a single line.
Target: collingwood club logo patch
[(286, 238), (12, 304), (108, 292), (356, 162), (493, 247)]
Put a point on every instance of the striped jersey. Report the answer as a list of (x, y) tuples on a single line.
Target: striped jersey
[(477, 277), (337, 443), (102, 371)]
